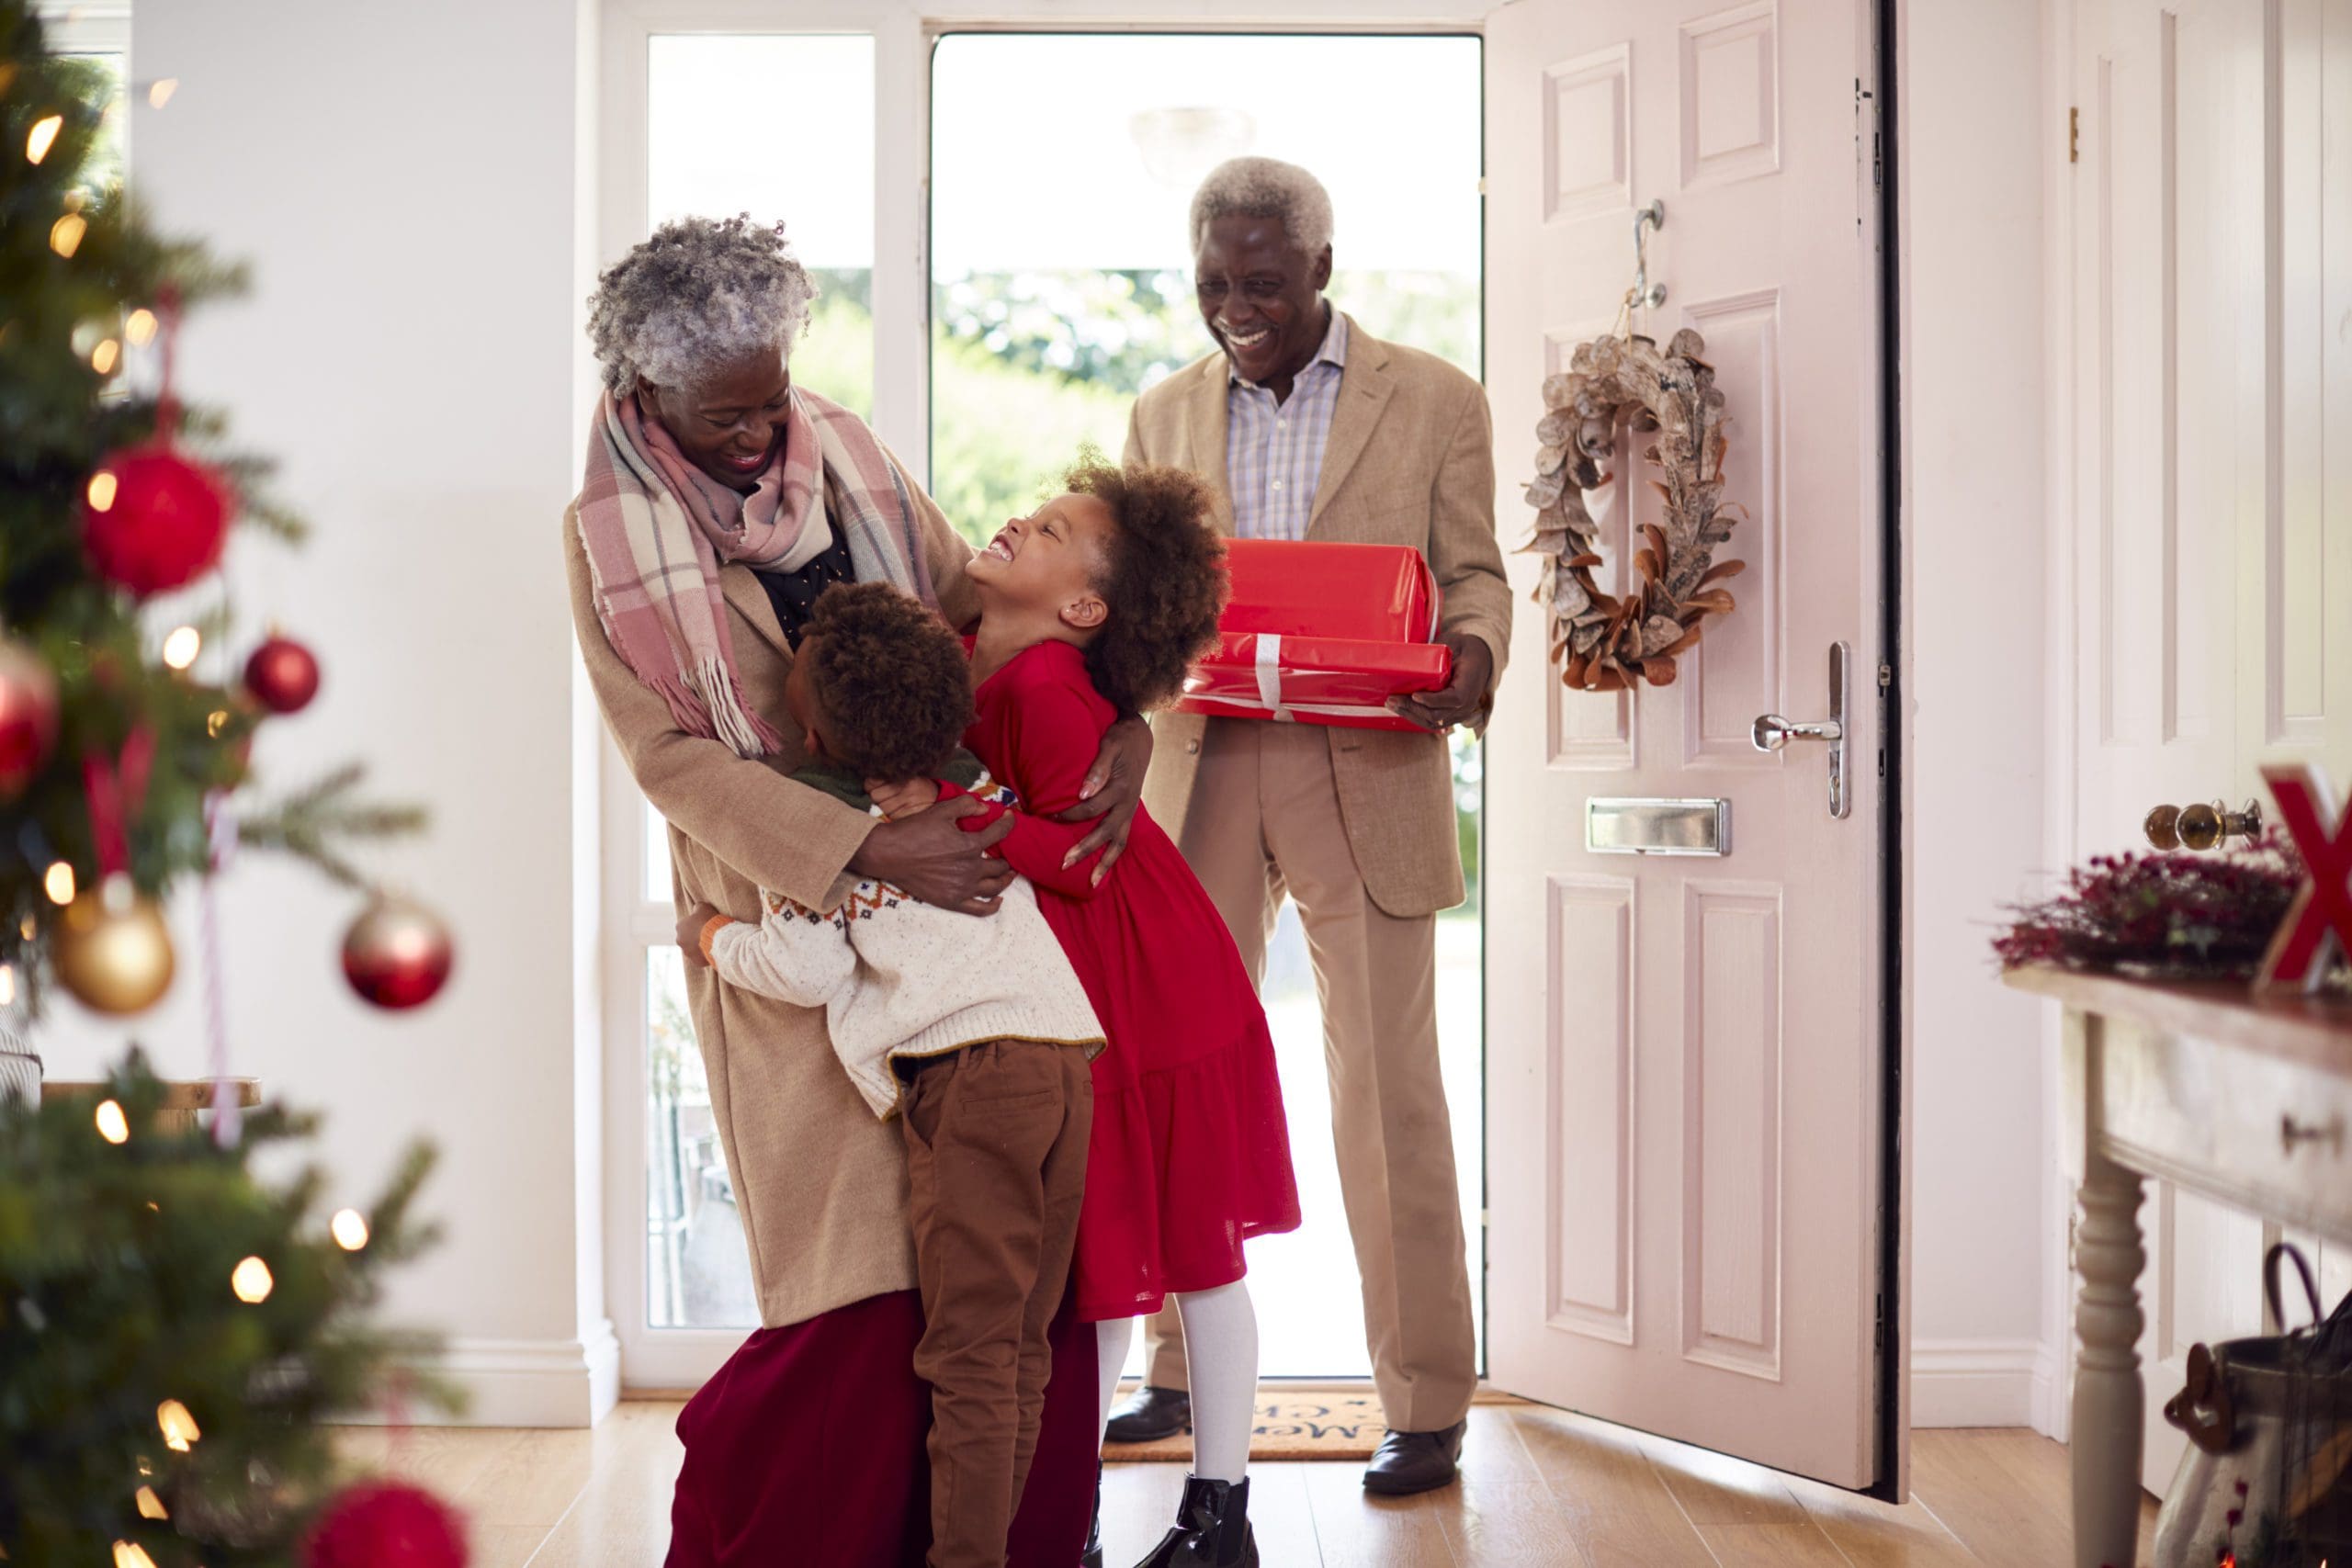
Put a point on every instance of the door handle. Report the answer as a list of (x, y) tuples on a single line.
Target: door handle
[(1772, 732), (2200, 827)]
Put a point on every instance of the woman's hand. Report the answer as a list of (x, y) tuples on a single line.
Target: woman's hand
[(930, 857), (690, 926), (1112, 790), (1459, 700)]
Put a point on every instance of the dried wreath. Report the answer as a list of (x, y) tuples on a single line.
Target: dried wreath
[(1603, 644)]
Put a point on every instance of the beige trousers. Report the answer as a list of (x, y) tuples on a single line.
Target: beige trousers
[(1264, 821)]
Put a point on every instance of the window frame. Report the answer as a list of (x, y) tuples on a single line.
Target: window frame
[(904, 32)]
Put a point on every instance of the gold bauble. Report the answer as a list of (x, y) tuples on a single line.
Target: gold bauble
[(113, 951)]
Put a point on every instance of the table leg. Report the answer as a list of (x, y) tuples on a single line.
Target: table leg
[(2108, 1395)]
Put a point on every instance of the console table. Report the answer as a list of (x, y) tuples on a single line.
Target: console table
[(2246, 1101)]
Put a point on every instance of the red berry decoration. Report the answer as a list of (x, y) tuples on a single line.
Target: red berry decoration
[(154, 521), (386, 1525), (398, 954), (27, 715), (282, 675)]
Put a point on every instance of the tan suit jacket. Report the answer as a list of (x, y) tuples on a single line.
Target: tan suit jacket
[(1410, 461), (820, 1182)]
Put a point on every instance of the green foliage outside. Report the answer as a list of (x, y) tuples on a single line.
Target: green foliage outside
[(116, 1262)]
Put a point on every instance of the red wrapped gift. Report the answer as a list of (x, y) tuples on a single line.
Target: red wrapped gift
[(1322, 633)]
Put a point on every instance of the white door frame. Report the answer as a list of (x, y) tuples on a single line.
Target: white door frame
[(904, 32)]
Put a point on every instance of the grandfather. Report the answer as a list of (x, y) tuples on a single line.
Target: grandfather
[(1311, 428)]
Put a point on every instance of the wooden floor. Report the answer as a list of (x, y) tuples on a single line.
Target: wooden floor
[(1540, 1489)]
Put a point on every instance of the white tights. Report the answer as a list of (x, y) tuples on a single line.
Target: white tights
[(1221, 1356)]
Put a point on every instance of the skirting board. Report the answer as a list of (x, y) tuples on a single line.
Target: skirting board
[(526, 1382), (1982, 1382)]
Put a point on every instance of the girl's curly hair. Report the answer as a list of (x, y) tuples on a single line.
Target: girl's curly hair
[(892, 677), (1162, 579)]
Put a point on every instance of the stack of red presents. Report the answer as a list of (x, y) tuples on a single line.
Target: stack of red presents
[(1320, 633)]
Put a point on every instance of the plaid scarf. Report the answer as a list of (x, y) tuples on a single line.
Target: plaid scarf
[(657, 529)]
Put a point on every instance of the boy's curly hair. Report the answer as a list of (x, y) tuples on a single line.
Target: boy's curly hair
[(1162, 579), (892, 677)]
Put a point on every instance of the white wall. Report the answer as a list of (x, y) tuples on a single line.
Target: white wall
[(1976, 144), (404, 180)]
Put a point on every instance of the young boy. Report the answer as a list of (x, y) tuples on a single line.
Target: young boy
[(973, 1032)]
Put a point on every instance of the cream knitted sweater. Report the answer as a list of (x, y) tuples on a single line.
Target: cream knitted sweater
[(899, 978)]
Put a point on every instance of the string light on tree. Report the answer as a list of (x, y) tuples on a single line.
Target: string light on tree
[(349, 1228), (160, 92), (130, 1554), (179, 1429), (150, 1506), (43, 136), (113, 1127), (252, 1282), (181, 646), (139, 327), (66, 234)]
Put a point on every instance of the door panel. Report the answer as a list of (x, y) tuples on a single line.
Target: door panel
[(1683, 1064), (2213, 244)]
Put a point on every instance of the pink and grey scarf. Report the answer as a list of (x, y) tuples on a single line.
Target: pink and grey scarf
[(657, 529)]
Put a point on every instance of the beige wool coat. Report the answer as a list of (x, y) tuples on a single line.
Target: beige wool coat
[(1410, 461), (820, 1181)]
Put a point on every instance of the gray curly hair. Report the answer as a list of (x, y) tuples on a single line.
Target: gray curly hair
[(1265, 187), (700, 291)]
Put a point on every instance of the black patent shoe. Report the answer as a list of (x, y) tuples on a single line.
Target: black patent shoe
[(1407, 1462), (1092, 1556), (1211, 1529), (1150, 1414)]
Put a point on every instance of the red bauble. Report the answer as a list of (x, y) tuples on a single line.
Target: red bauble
[(162, 522), (282, 675), (386, 1525), (27, 715), (397, 953)]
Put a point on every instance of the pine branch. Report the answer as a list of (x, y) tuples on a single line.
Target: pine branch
[(311, 823)]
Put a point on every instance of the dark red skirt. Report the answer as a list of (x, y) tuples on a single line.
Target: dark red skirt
[(807, 1448)]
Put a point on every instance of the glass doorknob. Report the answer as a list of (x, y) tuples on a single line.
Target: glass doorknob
[(2200, 827)]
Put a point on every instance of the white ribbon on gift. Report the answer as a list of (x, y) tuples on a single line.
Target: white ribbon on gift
[(1269, 668), (1270, 676)]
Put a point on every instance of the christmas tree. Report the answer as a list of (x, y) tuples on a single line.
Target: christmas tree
[(118, 762), (173, 1328)]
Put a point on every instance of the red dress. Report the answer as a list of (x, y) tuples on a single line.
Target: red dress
[(1191, 1155)]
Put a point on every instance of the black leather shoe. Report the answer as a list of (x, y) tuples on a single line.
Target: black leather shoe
[(1407, 1462), (1092, 1556), (1150, 1414), (1211, 1529)]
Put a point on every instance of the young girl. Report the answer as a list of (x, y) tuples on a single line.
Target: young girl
[(1093, 606)]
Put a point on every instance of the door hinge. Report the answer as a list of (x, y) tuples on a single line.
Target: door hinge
[(1485, 1219), (2074, 135), (1885, 677), (1866, 103)]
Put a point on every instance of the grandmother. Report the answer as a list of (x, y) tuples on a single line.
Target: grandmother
[(720, 500)]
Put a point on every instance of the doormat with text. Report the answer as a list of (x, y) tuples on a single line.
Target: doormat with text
[(1310, 1425)]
